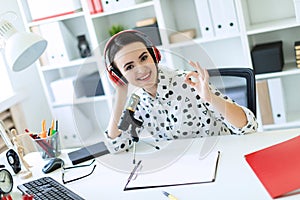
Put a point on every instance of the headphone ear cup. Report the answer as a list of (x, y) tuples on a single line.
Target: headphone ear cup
[(116, 76), (157, 54), (113, 77)]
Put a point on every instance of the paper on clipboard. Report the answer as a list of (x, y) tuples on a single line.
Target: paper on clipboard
[(188, 169)]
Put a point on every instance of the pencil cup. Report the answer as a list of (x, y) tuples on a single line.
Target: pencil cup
[(49, 147)]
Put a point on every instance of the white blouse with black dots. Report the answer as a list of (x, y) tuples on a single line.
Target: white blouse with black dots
[(178, 111)]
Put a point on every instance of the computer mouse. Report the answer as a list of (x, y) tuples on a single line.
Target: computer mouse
[(52, 165)]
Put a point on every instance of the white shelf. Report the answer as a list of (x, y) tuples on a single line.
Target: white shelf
[(200, 41), (77, 62), (288, 69), (55, 19), (272, 26), (293, 120), (81, 100)]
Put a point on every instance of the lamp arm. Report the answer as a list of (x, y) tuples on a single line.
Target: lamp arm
[(4, 136)]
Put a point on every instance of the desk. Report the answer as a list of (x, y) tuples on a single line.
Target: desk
[(235, 179)]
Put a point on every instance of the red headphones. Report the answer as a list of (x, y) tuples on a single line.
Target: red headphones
[(114, 73)]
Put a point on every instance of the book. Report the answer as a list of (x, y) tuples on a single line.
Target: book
[(88, 152), (146, 22), (277, 167), (182, 36)]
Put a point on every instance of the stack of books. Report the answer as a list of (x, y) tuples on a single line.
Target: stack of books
[(297, 53)]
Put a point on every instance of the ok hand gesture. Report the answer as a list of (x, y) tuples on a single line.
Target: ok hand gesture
[(199, 80)]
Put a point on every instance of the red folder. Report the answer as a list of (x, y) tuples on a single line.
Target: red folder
[(278, 166)]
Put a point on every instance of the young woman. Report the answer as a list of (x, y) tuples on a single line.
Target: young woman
[(171, 105)]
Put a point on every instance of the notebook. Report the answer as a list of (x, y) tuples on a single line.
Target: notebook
[(278, 166), (88, 152)]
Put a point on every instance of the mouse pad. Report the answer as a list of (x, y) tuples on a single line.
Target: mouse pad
[(88, 152)]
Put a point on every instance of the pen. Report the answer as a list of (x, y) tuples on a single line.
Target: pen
[(52, 127), (171, 197), (44, 131), (56, 125), (49, 132), (133, 171)]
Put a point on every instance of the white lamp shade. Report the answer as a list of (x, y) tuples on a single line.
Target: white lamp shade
[(23, 49)]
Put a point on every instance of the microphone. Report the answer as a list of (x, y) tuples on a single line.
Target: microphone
[(128, 120)]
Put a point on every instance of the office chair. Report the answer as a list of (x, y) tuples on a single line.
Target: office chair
[(237, 83)]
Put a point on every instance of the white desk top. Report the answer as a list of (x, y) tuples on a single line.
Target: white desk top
[(235, 179)]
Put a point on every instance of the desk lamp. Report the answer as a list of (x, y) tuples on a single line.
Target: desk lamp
[(21, 49)]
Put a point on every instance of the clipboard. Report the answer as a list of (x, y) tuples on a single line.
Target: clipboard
[(278, 167), (189, 169)]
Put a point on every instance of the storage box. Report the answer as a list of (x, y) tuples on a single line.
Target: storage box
[(62, 44), (43, 9), (267, 57), (63, 89), (89, 86), (152, 32), (75, 127)]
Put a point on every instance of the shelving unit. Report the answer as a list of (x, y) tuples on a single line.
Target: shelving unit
[(267, 25), (256, 24)]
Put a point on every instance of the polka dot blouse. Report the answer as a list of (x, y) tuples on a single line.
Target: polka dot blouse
[(178, 111)]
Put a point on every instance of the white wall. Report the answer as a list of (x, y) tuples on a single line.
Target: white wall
[(35, 104)]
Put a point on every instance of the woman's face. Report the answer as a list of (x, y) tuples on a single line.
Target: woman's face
[(138, 67)]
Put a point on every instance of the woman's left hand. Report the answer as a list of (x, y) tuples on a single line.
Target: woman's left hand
[(199, 79)]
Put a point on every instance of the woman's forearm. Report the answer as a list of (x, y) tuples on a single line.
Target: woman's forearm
[(233, 113), (113, 130)]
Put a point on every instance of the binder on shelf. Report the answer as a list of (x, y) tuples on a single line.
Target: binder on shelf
[(224, 17), (98, 6), (204, 18), (277, 167), (112, 5), (297, 10), (91, 6), (62, 44), (277, 100), (264, 102)]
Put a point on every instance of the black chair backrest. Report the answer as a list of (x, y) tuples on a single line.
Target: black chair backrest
[(237, 83)]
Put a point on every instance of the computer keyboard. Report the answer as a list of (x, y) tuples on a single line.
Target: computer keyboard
[(47, 188)]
